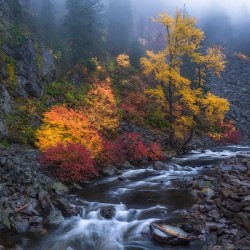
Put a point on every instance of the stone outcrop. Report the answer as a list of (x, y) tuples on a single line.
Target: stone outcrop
[(26, 66), (234, 85)]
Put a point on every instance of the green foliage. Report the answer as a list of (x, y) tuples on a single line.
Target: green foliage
[(156, 119), (64, 92), (5, 143), (17, 38), (83, 23), (89, 63)]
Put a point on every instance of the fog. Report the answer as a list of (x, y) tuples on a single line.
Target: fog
[(224, 21)]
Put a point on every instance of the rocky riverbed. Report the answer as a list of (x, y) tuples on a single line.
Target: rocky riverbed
[(30, 201), (223, 204)]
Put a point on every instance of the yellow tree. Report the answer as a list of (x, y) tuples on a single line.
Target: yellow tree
[(101, 108), (185, 99)]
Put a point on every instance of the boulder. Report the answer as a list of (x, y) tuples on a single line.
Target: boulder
[(109, 170), (166, 234), (243, 219), (208, 192), (108, 212), (158, 165), (233, 205), (20, 225), (55, 217), (246, 201)]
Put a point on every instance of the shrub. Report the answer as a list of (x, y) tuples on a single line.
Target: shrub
[(63, 125), (112, 153), (134, 147), (71, 162), (155, 152), (230, 134)]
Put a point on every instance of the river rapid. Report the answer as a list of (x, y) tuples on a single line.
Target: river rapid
[(140, 196)]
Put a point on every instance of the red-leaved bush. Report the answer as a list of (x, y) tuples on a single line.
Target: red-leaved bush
[(155, 152), (128, 146), (230, 134), (112, 153), (134, 147), (71, 162)]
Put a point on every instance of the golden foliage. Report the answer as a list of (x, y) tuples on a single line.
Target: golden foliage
[(123, 60), (101, 108), (215, 108), (63, 125)]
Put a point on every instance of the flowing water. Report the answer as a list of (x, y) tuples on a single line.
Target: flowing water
[(143, 196)]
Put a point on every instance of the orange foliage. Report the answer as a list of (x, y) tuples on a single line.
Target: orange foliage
[(101, 108), (63, 125)]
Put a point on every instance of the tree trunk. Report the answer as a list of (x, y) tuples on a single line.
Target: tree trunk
[(189, 139)]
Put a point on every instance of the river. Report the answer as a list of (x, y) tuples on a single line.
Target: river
[(140, 197)]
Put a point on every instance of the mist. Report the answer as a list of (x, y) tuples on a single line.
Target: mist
[(224, 22)]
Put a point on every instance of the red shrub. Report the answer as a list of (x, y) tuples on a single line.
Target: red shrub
[(155, 152), (112, 153), (134, 148), (69, 163), (230, 134)]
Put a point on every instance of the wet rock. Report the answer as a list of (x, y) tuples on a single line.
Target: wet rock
[(4, 220), (233, 205), (121, 178), (55, 217), (108, 212), (66, 206), (246, 201), (200, 184), (243, 219), (212, 239), (43, 197), (20, 225), (166, 234), (212, 225), (158, 165), (109, 171), (127, 165), (35, 220), (244, 243), (215, 215), (208, 192)]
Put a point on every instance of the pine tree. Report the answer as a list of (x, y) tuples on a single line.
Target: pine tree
[(47, 25), (83, 25)]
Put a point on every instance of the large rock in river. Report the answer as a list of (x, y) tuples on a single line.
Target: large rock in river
[(166, 234)]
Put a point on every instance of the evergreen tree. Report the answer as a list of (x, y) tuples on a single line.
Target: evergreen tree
[(47, 26), (120, 26), (84, 29)]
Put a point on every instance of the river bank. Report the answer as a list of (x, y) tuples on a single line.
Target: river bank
[(32, 205), (223, 204)]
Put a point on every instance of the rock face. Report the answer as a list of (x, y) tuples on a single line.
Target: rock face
[(25, 66), (235, 86)]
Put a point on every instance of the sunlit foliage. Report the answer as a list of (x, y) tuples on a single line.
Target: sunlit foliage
[(63, 125), (101, 108), (187, 102), (123, 60)]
